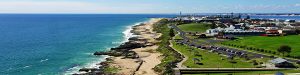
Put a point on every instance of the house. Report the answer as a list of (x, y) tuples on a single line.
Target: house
[(281, 63), (290, 21), (233, 30), (226, 20), (294, 25), (272, 31), (287, 31)]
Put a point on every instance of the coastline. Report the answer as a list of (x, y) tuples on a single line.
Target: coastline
[(136, 55)]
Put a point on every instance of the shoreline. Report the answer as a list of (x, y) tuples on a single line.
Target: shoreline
[(136, 55)]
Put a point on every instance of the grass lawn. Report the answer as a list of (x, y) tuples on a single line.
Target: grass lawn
[(270, 43), (253, 73), (178, 37), (195, 27), (210, 60)]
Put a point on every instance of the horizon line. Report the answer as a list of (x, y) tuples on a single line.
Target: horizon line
[(154, 13)]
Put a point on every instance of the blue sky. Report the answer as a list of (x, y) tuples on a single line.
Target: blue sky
[(149, 6)]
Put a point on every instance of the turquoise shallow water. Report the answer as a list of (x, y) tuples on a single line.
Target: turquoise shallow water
[(55, 44)]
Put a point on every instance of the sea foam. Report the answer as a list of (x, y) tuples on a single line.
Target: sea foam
[(93, 64)]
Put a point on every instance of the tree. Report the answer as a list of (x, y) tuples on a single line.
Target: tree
[(298, 31), (172, 34), (284, 49), (202, 36), (254, 62), (248, 17), (213, 25)]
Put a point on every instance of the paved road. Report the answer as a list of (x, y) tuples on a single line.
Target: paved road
[(219, 49)]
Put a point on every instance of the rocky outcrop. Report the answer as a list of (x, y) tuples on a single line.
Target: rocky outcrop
[(125, 48)]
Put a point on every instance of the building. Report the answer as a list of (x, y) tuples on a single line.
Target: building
[(281, 63), (287, 31), (272, 31), (294, 25), (233, 30)]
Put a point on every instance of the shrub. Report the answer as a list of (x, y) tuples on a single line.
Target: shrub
[(257, 49), (289, 56), (254, 62), (270, 51), (274, 52), (232, 61), (262, 50), (250, 48), (297, 57), (241, 46), (298, 62)]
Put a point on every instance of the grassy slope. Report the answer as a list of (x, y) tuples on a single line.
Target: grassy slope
[(194, 27), (169, 56), (271, 43), (210, 60), (177, 37)]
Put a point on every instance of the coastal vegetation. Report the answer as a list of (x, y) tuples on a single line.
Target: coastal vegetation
[(268, 45), (177, 37), (195, 27), (170, 56), (110, 70)]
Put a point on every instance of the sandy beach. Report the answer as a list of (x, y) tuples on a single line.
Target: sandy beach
[(148, 56)]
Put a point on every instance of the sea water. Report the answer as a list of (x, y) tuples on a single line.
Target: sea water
[(55, 44)]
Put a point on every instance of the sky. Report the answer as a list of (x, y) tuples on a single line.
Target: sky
[(149, 6)]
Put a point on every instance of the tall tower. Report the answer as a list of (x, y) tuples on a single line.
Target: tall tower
[(180, 15), (231, 15)]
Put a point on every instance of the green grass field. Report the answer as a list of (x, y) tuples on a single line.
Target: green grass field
[(287, 72), (210, 60), (270, 43), (195, 27)]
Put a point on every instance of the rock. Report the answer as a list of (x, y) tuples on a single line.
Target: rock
[(116, 54), (104, 63), (101, 53), (109, 59), (88, 69)]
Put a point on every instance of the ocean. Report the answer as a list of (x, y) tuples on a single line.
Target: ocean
[(297, 18), (56, 44)]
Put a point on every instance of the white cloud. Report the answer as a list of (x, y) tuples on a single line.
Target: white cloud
[(297, 5)]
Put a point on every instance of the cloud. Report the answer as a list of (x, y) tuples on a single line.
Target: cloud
[(297, 5)]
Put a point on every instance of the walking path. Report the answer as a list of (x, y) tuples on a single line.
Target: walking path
[(185, 58)]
